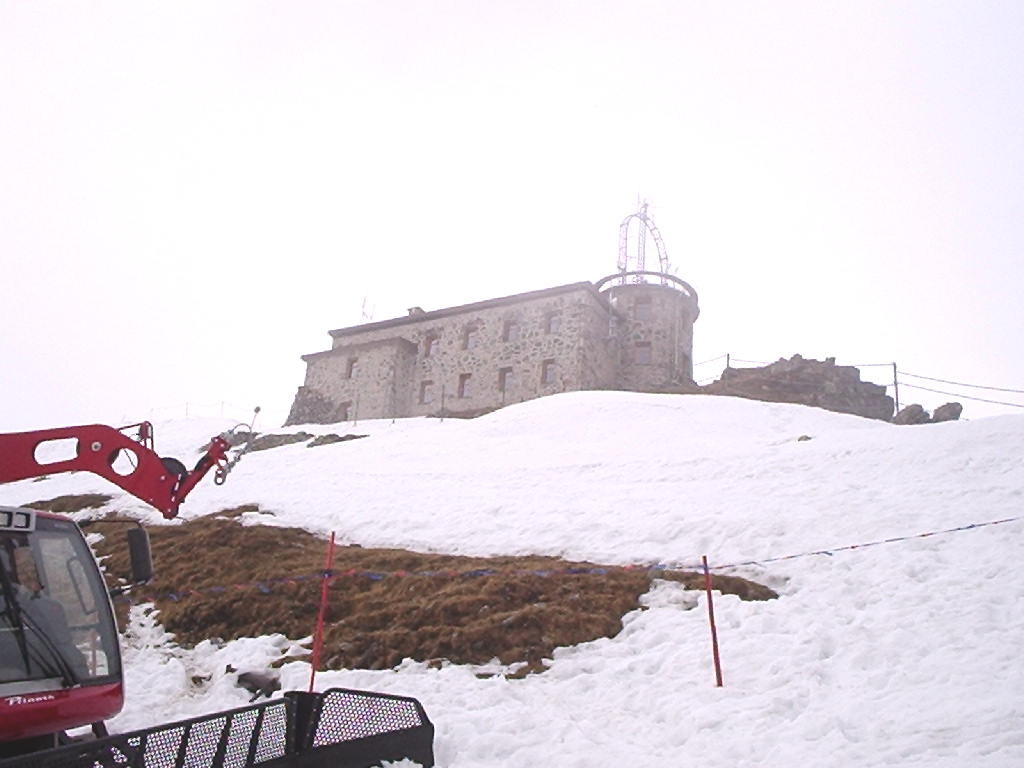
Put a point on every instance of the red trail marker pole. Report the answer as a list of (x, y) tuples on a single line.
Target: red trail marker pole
[(711, 619), (318, 634)]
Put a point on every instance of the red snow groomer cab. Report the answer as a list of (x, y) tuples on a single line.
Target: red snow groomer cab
[(60, 665)]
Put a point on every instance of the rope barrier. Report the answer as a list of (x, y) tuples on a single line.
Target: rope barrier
[(961, 384), (892, 540), (720, 357), (962, 396), (267, 586)]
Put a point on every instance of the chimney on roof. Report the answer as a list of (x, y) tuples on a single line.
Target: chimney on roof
[(413, 311)]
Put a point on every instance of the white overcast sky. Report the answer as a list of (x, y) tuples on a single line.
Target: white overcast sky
[(193, 194)]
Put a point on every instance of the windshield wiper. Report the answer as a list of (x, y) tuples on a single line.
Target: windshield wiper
[(18, 619), (64, 667), (12, 613)]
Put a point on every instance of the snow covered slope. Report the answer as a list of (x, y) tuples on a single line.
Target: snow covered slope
[(904, 654)]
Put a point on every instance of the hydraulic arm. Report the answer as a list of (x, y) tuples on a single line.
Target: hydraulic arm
[(129, 462)]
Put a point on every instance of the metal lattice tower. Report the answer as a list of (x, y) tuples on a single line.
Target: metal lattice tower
[(646, 227)]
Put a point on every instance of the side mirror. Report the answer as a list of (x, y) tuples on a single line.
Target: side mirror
[(139, 552)]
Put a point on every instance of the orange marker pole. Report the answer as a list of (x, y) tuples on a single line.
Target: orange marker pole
[(711, 619), (318, 634)]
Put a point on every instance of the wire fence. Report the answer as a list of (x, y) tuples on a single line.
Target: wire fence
[(266, 586), (963, 396), (962, 384)]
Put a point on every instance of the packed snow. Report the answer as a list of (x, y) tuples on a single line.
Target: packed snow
[(904, 653)]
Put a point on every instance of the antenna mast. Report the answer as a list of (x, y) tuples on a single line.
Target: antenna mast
[(646, 226)]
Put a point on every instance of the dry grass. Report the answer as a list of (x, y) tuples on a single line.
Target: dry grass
[(426, 607), (65, 505)]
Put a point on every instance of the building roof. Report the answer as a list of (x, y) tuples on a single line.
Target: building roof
[(420, 317), (397, 341)]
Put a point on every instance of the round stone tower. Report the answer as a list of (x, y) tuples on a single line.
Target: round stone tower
[(653, 323)]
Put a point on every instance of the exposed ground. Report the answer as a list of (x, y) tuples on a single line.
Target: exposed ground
[(217, 578)]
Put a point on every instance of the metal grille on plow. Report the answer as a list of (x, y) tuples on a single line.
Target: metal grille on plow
[(346, 715), (240, 738)]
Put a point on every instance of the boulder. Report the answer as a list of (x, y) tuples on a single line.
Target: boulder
[(266, 442), (912, 414), (331, 438), (947, 412)]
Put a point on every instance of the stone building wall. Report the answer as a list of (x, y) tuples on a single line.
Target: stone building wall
[(498, 355), (476, 357), (361, 378), (597, 356), (655, 336)]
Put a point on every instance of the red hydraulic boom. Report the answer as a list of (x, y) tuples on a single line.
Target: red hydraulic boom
[(129, 462)]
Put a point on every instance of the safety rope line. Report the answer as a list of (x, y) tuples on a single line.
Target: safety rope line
[(705, 362), (961, 396), (266, 586), (846, 548), (962, 384)]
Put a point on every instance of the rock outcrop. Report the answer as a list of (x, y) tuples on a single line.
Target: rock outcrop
[(808, 382), (311, 407), (266, 442), (916, 414), (947, 412), (911, 414), (331, 438)]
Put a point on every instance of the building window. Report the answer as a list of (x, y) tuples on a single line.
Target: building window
[(465, 385), (352, 368), (506, 380), (471, 337), (547, 372), (426, 392), (343, 411), (642, 353), (642, 308), (552, 322), (429, 344), (511, 331)]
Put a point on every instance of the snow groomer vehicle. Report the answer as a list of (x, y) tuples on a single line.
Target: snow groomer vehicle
[(61, 675)]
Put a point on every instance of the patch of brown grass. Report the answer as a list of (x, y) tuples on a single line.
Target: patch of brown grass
[(426, 607), (65, 505)]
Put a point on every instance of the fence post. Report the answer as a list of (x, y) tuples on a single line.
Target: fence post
[(895, 388), (711, 619), (318, 634)]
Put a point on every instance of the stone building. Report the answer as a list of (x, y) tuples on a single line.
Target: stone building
[(620, 333)]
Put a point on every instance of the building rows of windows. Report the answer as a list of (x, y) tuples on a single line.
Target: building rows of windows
[(511, 330), (641, 356), (507, 381)]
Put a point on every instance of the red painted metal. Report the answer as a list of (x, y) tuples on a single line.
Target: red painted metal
[(42, 712), (133, 465), (318, 634), (96, 449), (711, 619)]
